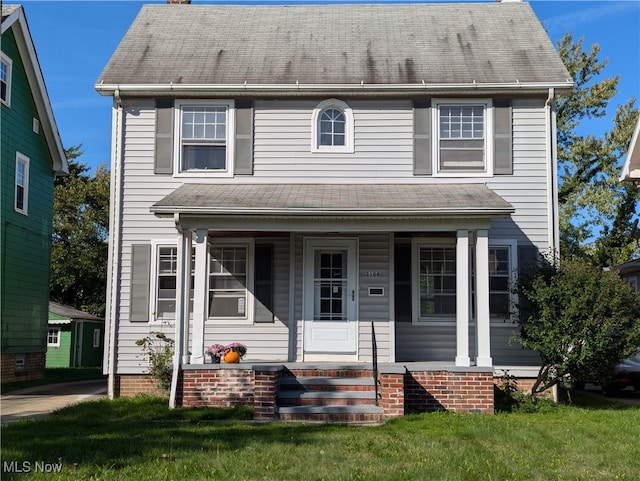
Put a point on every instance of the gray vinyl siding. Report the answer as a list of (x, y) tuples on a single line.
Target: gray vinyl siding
[(383, 152), (264, 341), (374, 258), (505, 351)]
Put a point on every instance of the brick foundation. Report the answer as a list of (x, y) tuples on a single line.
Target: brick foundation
[(467, 392), (129, 385), (33, 367), (401, 390)]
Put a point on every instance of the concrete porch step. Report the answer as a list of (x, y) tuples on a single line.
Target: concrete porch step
[(356, 414), (325, 383), (300, 398)]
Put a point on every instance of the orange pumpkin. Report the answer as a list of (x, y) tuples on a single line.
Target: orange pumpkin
[(232, 357)]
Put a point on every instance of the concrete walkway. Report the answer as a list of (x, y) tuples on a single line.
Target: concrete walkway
[(36, 402)]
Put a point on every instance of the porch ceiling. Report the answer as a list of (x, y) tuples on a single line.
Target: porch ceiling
[(351, 200)]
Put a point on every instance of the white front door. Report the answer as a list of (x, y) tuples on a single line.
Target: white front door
[(330, 296)]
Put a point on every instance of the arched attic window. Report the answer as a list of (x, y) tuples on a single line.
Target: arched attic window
[(332, 127)]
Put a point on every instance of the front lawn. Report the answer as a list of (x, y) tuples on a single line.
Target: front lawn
[(140, 439)]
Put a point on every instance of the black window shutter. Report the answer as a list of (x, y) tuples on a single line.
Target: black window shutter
[(422, 137), (244, 137), (503, 138), (140, 273), (402, 282), (263, 283), (164, 137)]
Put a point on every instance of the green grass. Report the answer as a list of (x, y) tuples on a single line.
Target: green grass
[(56, 375), (140, 439)]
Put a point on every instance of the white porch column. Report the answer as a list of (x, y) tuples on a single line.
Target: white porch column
[(462, 298), (199, 298), (183, 268), (483, 337), (182, 295)]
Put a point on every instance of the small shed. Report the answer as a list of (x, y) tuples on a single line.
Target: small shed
[(74, 338)]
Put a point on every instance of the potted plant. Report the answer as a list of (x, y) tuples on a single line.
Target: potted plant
[(216, 351), (234, 352)]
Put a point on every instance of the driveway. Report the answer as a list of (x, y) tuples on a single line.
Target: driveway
[(39, 401)]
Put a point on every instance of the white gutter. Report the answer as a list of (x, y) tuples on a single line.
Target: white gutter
[(552, 174), (312, 211), (114, 242), (109, 89)]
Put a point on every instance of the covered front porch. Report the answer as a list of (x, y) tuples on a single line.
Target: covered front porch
[(306, 273)]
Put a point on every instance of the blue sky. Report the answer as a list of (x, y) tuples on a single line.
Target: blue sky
[(74, 40)]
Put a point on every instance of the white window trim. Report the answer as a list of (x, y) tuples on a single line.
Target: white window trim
[(513, 278), (230, 136), (348, 147), (57, 343), (416, 245), (156, 245), (9, 63), (96, 337), (488, 132), (249, 308), (24, 160)]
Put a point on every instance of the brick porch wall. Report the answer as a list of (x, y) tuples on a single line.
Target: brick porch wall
[(466, 392), (33, 368), (401, 391)]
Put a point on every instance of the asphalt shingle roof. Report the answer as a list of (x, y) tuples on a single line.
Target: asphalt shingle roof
[(335, 44), (302, 199)]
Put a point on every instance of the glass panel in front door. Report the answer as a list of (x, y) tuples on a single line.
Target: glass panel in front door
[(330, 285)]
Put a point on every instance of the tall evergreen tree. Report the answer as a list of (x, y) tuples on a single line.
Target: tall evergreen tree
[(596, 210), (80, 232)]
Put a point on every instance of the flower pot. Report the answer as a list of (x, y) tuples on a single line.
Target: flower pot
[(215, 359), (232, 357)]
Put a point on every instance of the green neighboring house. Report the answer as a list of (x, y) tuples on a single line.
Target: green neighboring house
[(75, 338), (32, 156)]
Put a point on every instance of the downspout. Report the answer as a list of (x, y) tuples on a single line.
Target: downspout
[(552, 172), (114, 240), (552, 165)]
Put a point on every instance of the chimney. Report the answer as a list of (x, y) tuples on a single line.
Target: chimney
[(179, 2)]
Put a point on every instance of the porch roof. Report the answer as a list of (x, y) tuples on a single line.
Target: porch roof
[(431, 200)]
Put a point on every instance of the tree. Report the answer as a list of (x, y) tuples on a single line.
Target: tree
[(80, 231), (581, 319), (596, 209)]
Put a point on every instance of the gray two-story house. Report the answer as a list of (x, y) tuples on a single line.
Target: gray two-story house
[(308, 179)]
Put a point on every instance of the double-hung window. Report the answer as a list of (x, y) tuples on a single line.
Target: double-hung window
[(463, 130), (230, 274), (204, 140), (435, 281), (22, 184), (5, 80), (501, 278), (499, 281), (166, 283)]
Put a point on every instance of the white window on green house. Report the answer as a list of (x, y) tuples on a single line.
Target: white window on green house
[(22, 184), (97, 335), (229, 276), (53, 337), (5, 80)]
